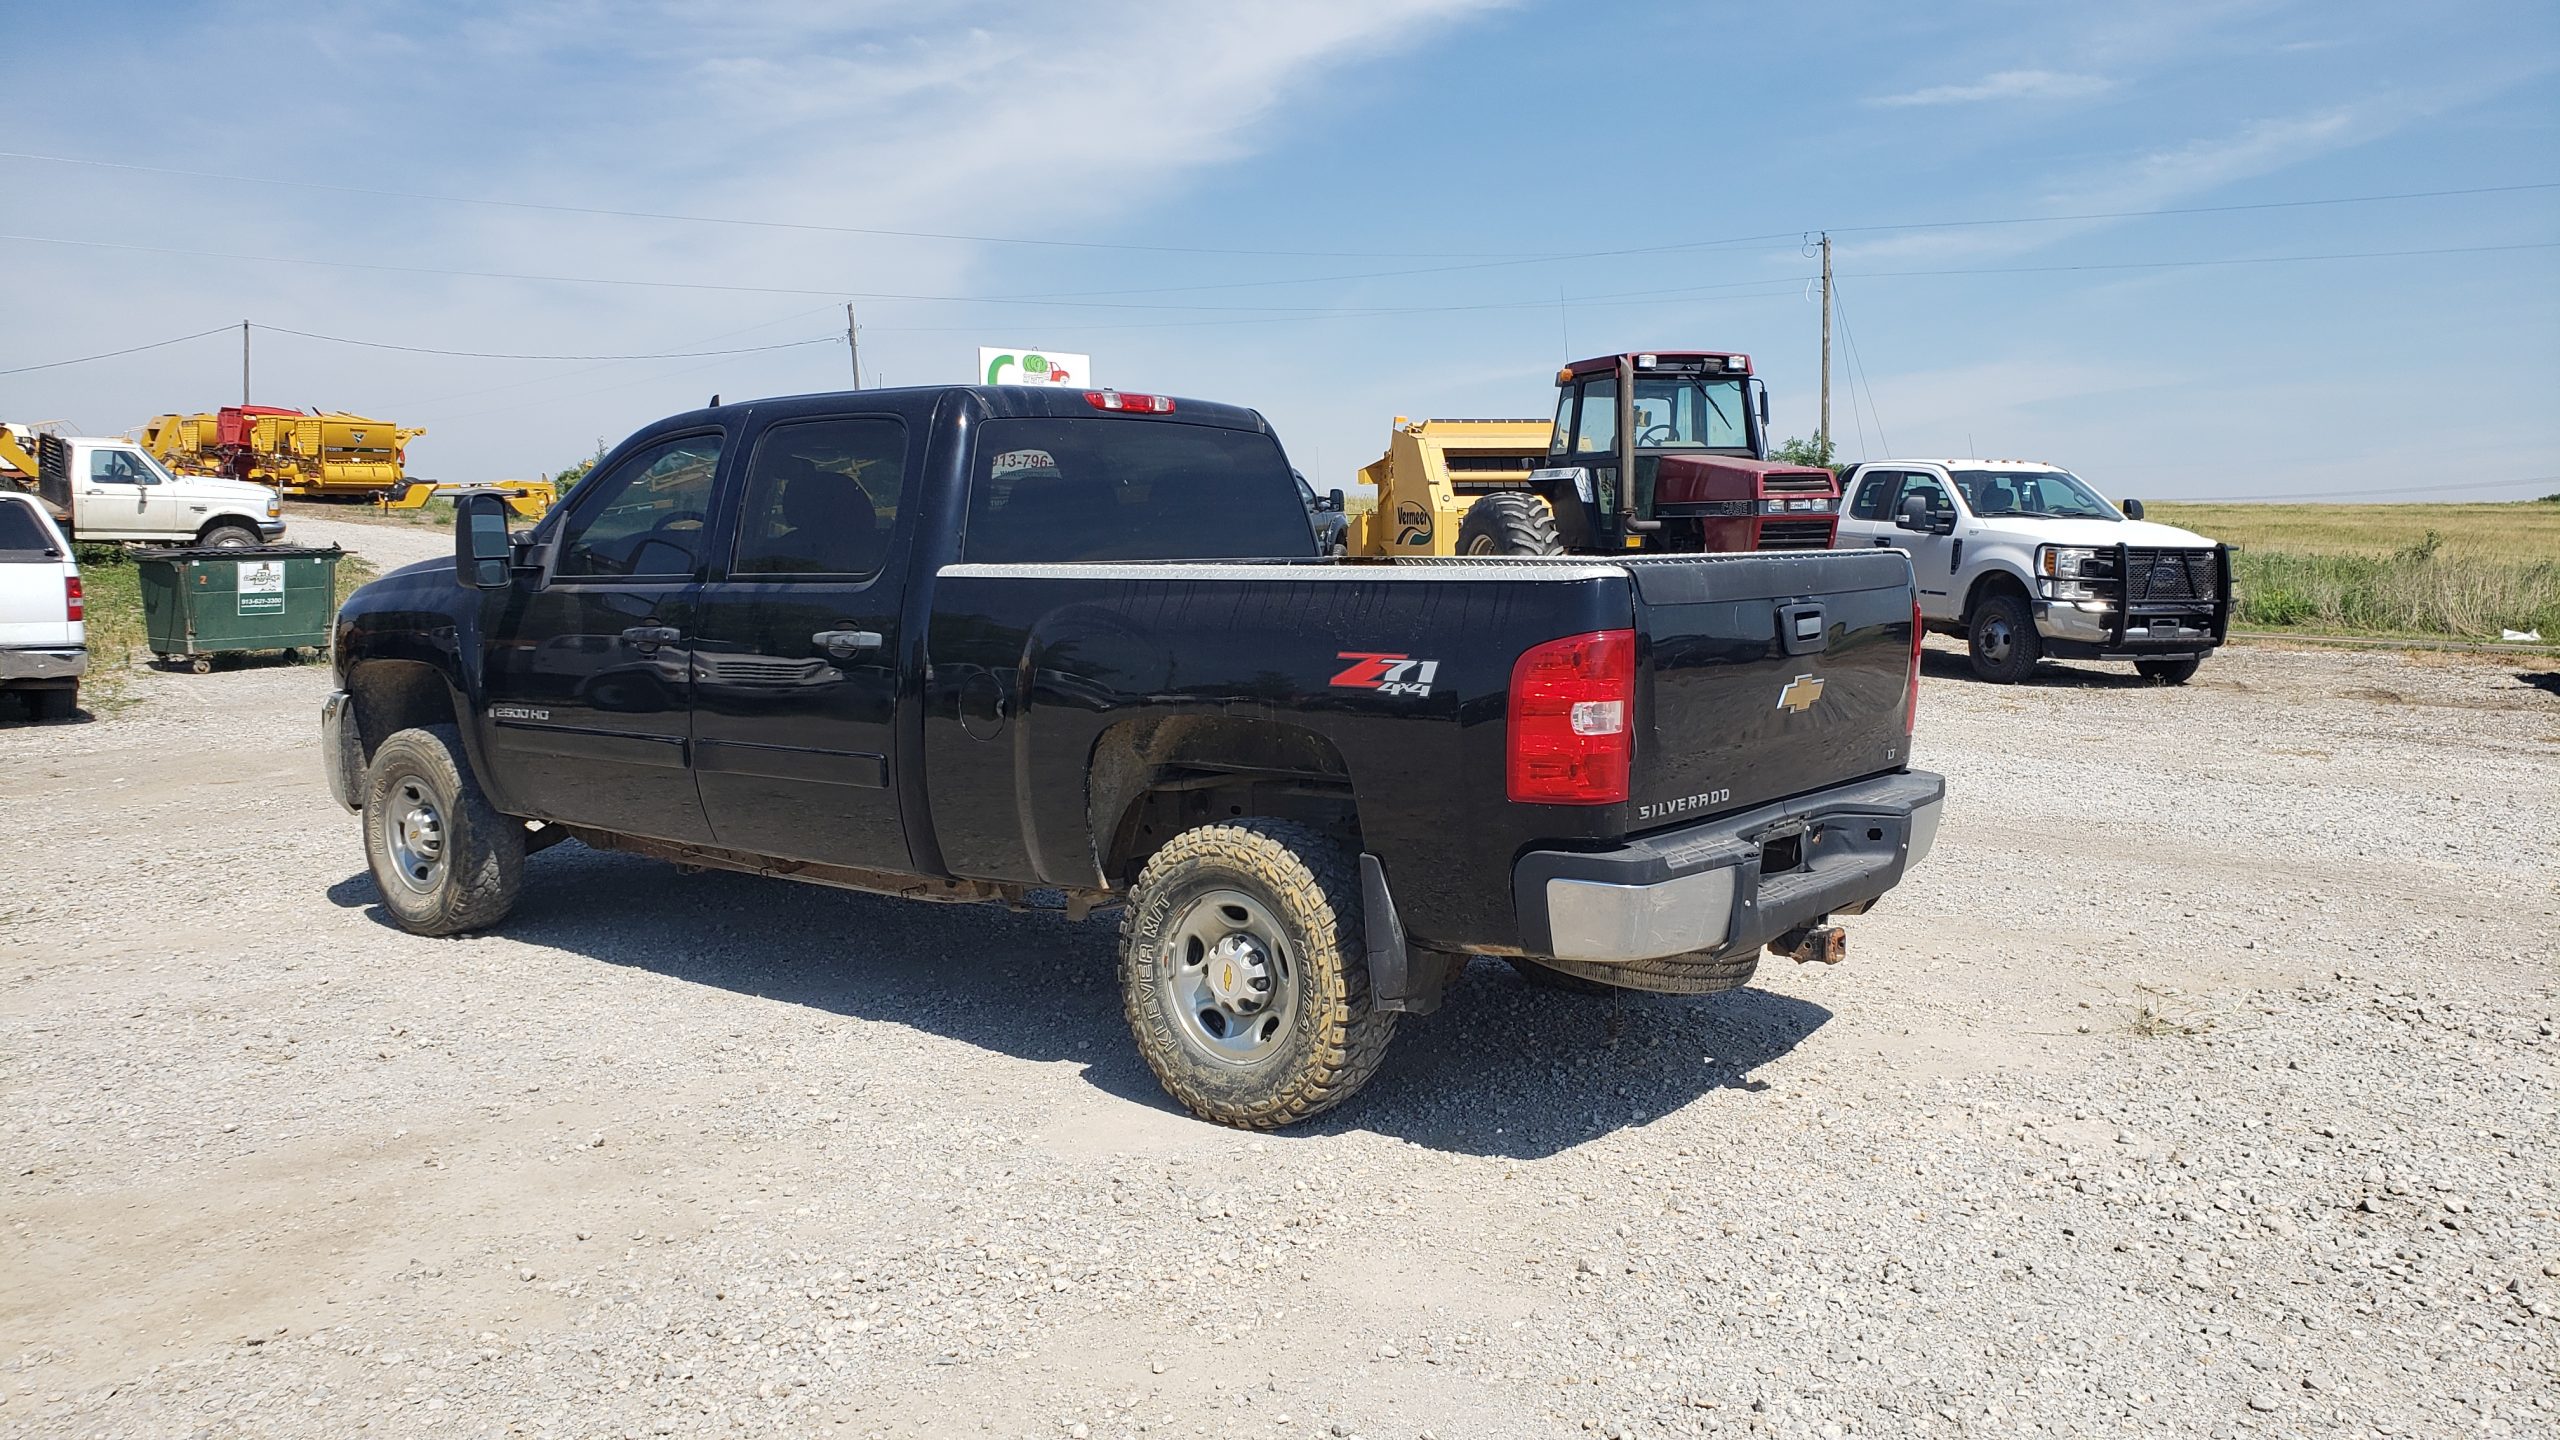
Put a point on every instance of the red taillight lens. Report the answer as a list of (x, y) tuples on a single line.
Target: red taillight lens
[(1911, 711), (1142, 404), (1573, 720), (74, 608)]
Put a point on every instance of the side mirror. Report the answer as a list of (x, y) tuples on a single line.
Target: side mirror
[(482, 549), (2133, 509), (1333, 500), (1914, 514)]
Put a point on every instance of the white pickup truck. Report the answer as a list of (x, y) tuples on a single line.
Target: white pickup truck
[(44, 645), (112, 490), (2024, 562)]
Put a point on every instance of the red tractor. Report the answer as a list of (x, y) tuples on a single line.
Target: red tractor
[(1663, 451)]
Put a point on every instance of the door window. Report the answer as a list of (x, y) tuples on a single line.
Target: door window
[(648, 516), (1929, 486), (1599, 427), (119, 467), (1874, 500), (821, 496), (22, 535)]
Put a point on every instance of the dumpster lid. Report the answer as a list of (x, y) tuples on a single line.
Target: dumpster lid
[(236, 552)]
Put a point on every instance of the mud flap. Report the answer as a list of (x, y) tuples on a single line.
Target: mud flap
[(1399, 978)]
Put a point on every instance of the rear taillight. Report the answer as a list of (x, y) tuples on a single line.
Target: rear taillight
[(1573, 720), (1141, 404), (1911, 709), (73, 608)]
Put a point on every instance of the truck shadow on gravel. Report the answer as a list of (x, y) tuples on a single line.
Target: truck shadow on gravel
[(1502, 1070), (1937, 664)]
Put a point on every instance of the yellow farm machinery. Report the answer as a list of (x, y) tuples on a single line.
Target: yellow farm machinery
[(326, 455)]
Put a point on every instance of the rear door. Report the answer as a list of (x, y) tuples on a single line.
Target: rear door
[(795, 651), (590, 690), (1769, 676)]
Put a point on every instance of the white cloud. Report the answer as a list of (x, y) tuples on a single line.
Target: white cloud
[(2006, 85)]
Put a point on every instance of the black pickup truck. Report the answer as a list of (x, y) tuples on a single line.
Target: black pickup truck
[(971, 643)]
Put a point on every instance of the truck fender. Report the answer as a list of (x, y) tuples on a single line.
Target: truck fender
[(1995, 570)]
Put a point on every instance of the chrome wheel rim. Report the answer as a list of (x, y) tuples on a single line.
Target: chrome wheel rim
[(1230, 979), (413, 835)]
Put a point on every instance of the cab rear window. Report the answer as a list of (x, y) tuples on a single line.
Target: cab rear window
[(1108, 489), (23, 533)]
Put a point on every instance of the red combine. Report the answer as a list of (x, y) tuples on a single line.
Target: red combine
[(1660, 451)]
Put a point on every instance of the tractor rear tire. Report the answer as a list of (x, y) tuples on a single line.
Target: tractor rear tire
[(1509, 522)]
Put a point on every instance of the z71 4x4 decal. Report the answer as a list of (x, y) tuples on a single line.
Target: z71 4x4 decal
[(1386, 674)]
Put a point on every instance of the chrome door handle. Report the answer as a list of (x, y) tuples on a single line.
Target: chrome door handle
[(845, 644), (650, 637)]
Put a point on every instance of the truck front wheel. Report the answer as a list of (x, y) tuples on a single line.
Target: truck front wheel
[(444, 861), (2003, 640), (228, 537), (1245, 976)]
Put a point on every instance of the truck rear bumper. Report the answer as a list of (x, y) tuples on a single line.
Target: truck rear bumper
[(1711, 889), (42, 664)]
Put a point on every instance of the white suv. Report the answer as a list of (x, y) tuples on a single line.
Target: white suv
[(2025, 561), (44, 641)]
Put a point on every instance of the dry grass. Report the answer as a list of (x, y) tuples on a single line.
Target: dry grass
[(2526, 531), (2162, 1013), (2465, 571)]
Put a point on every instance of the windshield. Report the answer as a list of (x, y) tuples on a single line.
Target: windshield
[(1689, 412), (2051, 494)]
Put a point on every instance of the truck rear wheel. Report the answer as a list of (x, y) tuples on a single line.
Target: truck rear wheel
[(2003, 640), (444, 861), (2168, 672), (228, 537), (1509, 522), (1547, 977), (57, 704), (1245, 976)]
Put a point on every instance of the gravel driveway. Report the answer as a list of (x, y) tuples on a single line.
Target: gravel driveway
[(2202, 1083)]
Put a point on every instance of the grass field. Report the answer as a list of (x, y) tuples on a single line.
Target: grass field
[(111, 589), (2461, 571)]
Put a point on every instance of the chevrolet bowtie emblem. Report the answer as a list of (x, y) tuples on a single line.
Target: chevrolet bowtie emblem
[(1800, 693)]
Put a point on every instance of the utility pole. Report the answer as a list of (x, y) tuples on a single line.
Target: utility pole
[(244, 364), (852, 345), (1823, 439)]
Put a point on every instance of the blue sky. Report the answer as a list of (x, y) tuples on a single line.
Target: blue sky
[(1338, 213)]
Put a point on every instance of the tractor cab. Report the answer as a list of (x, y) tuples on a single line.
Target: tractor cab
[(1664, 450)]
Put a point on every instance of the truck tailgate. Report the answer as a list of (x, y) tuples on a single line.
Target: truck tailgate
[(1771, 675)]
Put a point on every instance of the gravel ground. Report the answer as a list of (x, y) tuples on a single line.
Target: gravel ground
[(2201, 1083)]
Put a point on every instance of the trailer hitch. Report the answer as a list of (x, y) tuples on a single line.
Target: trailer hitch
[(1826, 943)]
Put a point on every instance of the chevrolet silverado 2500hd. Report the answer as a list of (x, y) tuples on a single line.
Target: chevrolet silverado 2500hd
[(965, 643)]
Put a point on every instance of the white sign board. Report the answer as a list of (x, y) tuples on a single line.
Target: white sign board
[(260, 586), (1033, 367)]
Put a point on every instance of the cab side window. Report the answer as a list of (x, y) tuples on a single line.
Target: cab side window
[(645, 517), (1874, 500), (1928, 487), (115, 467), (821, 496)]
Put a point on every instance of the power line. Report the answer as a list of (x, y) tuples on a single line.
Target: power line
[(500, 355), (2353, 494), (2242, 260), (128, 350), (1859, 361), (733, 220), (1045, 242)]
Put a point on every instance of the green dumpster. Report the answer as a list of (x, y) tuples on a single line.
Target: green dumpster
[(201, 601)]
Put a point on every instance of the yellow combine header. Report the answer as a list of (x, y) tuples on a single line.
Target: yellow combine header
[(1432, 471), (324, 455)]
